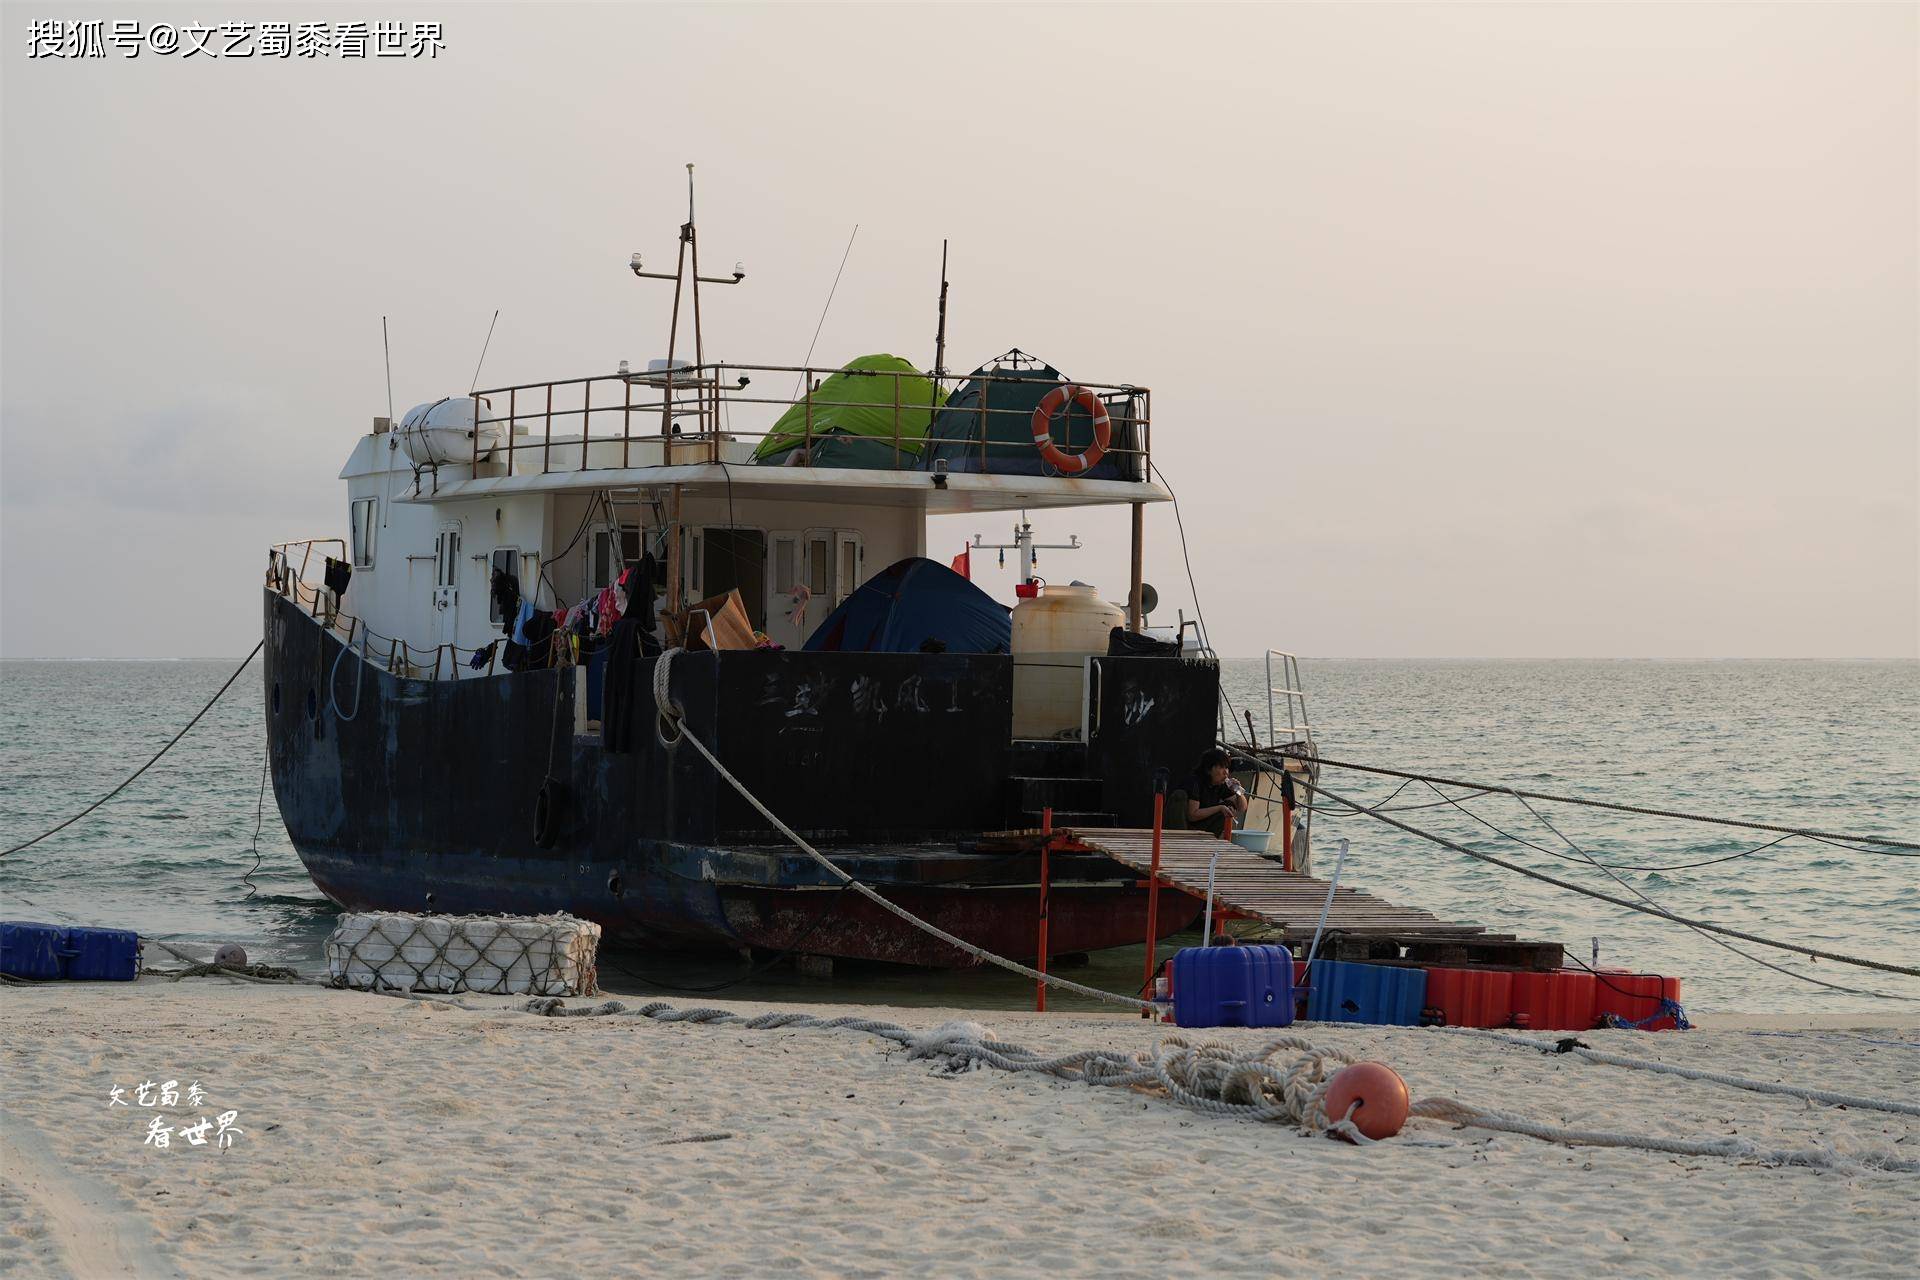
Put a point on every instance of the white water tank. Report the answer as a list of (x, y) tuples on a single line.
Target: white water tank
[(443, 431), (1053, 634)]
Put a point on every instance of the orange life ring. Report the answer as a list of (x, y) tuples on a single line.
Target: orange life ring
[(1071, 463)]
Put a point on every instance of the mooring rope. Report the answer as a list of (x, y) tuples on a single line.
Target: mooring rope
[(1210, 1077), (1591, 1054), (1214, 1079), (1828, 836), (670, 710), (1644, 908), (1729, 1148), (1614, 876), (150, 762)]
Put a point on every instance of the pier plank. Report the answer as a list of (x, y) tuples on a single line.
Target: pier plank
[(1249, 886)]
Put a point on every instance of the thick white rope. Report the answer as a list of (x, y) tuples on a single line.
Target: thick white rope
[(663, 699), (1727, 1148), (1851, 1100), (1208, 1077), (1214, 1079)]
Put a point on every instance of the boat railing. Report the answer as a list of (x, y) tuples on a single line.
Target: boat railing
[(286, 576), (281, 557), (684, 414)]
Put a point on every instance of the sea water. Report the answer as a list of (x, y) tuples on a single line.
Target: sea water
[(1834, 746)]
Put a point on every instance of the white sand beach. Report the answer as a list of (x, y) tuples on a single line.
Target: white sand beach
[(391, 1137)]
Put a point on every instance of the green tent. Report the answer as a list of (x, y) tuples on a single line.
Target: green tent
[(853, 417)]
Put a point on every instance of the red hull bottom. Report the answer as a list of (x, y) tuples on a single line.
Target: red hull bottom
[(840, 923)]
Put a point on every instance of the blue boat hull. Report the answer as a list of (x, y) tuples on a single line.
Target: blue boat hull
[(427, 795)]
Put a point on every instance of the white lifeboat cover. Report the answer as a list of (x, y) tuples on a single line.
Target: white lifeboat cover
[(442, 431)]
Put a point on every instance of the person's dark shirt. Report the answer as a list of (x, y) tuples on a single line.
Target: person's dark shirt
[(1207, 793)]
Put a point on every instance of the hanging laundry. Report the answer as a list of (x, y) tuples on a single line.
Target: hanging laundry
[(626, 691), (537, 634), (482, 657), (639, 604), (521, 617), (607, 610), (339, 573), (506, 600)]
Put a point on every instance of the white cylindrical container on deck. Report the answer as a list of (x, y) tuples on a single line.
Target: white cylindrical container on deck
[(1053, 634)]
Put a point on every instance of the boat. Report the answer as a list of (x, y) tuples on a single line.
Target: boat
[(430, 753)]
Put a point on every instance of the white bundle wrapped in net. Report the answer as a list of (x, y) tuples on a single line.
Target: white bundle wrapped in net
[(495, 955)]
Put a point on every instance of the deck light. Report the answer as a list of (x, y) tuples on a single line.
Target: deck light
[(634, 262)]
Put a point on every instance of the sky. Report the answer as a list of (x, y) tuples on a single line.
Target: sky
[(1477, 331)]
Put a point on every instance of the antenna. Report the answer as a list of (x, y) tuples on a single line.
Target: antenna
[(823, 310), (483, 350), (940, 336), (386, 349), (689, 248)]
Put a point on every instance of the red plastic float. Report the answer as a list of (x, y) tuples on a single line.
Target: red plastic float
[(1471, 997), (1557, 1001), (1381, 1093), (1633, 996)]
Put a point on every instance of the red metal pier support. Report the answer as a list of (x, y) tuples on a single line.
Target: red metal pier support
[(1286, 822), (1153, 892), (1046, 882)]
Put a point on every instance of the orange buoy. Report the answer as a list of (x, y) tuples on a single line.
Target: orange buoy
[(1069, 395), (1379, 1090)]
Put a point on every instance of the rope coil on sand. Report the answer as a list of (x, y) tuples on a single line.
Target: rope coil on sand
[(1211, 1078), (1215, 1079)]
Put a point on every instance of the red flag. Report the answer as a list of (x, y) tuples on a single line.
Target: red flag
[(963, 564)]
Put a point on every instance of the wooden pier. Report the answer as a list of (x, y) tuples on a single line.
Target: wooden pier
[(1248, 886)]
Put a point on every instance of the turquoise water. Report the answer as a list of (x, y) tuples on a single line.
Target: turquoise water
[(1830, 745)]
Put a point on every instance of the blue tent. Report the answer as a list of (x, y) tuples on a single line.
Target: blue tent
[(909, 603)]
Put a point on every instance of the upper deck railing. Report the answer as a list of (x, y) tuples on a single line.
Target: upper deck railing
[(685, 415)]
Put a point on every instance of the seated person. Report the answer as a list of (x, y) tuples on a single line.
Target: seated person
[(1212, 796)]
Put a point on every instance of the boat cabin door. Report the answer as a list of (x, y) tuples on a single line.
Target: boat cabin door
[(446, 584)]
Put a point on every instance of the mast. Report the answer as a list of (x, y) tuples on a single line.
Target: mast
[(688, 247), (940, 335)]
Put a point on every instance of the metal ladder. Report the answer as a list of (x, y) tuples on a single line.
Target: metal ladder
[(1293, 694), (1289, 689)]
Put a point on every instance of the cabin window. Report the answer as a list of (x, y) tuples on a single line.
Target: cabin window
[(736, 558), (360, 523), (851, 555), (819, 566), (836, 563), (786, 565), (446, 556), (505, 560), (603, 565)]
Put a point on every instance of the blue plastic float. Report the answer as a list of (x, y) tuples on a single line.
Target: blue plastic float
[(48, 952)]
